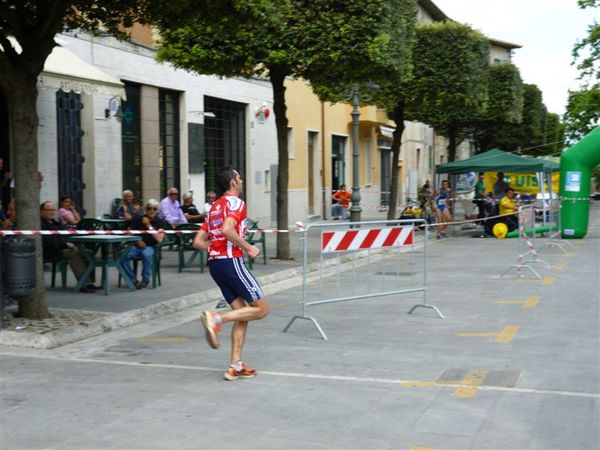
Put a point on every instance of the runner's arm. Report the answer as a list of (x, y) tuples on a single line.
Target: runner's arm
[(233, 236), (201, 241)]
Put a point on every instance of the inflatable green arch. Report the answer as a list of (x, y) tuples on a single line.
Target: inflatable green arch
[(576, 164)]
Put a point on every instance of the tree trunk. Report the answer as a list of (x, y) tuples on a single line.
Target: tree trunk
[(277, 77), (398, 118), (23, 118), (452, 144)]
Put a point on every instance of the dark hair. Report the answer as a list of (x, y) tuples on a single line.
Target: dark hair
[(223, 179), (43, 205), (65, 197), (481, 174)]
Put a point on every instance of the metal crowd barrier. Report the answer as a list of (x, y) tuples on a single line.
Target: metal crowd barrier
[(527, 243), (362, 260)]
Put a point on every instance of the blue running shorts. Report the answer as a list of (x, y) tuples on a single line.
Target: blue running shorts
[(234, 279)]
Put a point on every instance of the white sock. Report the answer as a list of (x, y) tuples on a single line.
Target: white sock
[(237, 365)]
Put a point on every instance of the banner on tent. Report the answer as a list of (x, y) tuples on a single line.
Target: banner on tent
[(523, 183)]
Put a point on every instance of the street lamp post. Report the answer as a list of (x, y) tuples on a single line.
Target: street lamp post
[(355, 209)]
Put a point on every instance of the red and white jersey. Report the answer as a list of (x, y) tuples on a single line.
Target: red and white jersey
[(226, 206)]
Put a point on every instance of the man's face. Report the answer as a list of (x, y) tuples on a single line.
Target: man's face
[(237, 183), (128, 198), (48, 211), (173, 194), (151, 211)]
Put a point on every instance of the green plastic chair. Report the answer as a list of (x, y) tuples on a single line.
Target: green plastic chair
[(184, 244), (254, 236)]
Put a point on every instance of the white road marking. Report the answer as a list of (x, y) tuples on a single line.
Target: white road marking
[(313, 376)]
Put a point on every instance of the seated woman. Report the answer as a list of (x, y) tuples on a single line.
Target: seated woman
[(190, 211), (68, 215)]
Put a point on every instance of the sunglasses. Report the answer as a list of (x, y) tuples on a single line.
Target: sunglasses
[(151, 209), (174, 193)]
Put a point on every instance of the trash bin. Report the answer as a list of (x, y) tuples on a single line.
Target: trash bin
[(19, 266)]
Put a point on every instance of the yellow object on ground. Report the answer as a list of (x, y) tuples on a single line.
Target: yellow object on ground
[(500, 230)]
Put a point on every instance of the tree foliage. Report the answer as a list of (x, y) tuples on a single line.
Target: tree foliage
[(532, 128), (449, 85), (504, 107), (583, 112), (27, 31), (583, 106), (321, 40)]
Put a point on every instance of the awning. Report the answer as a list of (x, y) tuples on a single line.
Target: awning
[(66, 71)]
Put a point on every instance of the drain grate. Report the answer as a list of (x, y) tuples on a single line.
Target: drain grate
[(497, 378)]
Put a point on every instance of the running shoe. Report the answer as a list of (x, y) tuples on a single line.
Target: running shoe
[(232, 374), (212, 328), (222, 304)]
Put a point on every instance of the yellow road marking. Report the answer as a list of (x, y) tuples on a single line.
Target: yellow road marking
[(468, 386), (416, 384), (503, 337), (559, 266), (569, 255), (530, 302), (547, 281), (173, 339), (422, 448)]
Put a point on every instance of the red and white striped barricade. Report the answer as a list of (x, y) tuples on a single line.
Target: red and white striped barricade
[(362, 260)]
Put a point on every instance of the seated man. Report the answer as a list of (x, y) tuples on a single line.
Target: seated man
[(342, 197), (55, 248), (190, 211), (144, 248), (125, 210), (508, 206), (170, 209)]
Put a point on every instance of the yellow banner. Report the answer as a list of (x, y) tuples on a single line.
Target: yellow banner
[(523, 183)]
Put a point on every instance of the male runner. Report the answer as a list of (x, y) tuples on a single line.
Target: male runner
[(225, 226)]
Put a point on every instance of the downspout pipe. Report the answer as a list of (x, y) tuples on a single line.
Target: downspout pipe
[(576, 164)]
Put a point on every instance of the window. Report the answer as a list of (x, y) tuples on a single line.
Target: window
[(169, 140), (224, 138)]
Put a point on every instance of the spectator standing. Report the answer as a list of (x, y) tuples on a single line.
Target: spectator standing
[(340, 208), (68, 215), (55, 248), (190, 211), (479, 198), (211, 196), (170, 209), (144, 248), (500, 186)]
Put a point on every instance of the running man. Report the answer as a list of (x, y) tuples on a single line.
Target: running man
[(222, 234)]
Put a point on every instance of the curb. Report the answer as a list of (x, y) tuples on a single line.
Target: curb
[(271, 284)]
